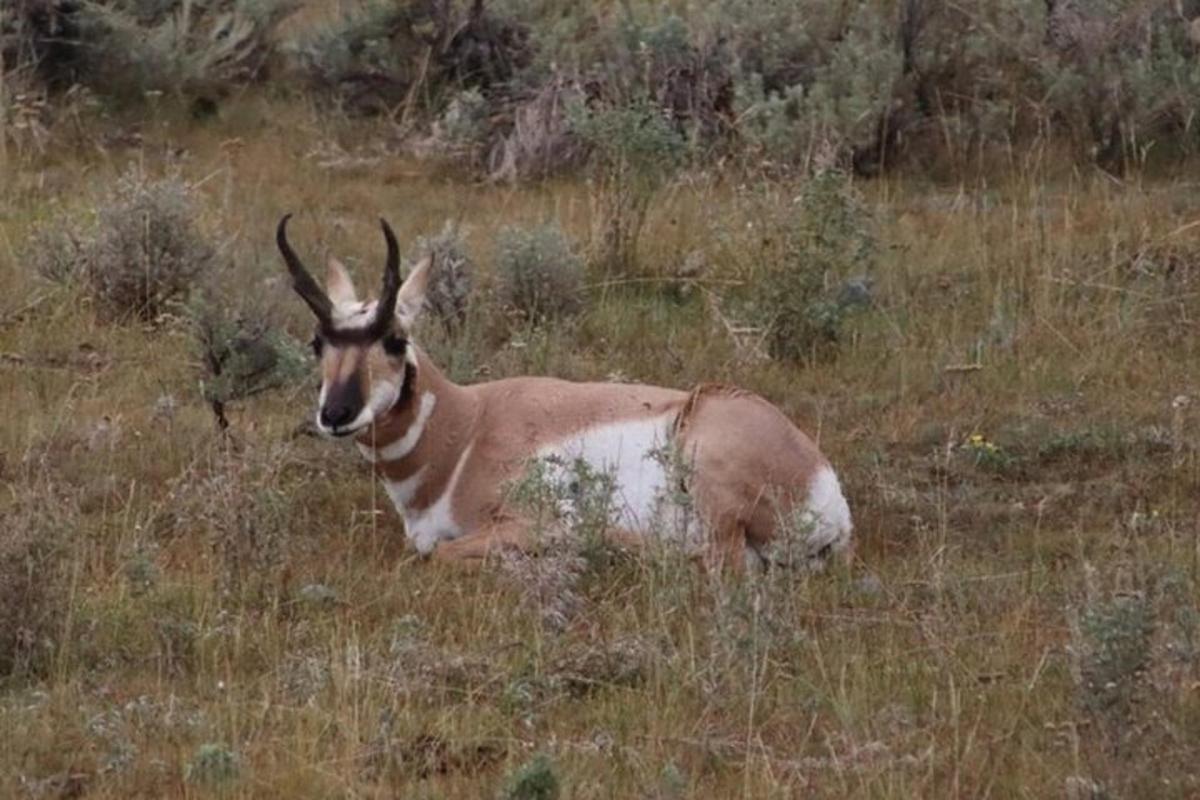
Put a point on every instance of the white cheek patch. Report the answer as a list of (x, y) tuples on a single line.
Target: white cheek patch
[(384, 395)]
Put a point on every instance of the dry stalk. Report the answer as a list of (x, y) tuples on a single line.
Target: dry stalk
[(749, 342)]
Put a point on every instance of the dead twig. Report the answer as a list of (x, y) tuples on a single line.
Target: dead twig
[(21, 314), (748, 342)]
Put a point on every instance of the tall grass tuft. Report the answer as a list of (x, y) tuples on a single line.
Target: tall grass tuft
[(40, 525)]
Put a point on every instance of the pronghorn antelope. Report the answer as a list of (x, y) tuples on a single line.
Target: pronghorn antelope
[(446, 453)]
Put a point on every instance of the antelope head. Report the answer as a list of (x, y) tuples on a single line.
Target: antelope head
[(363, 345)]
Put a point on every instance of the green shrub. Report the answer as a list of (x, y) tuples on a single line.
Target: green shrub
[(463, 129), (555, 493), (58, 249), (190, 47), (359, 59), (570, 508), (1121, 76), (1113, 649), (536, 779), (140, 256), (634, 153), (195, 48), (538, 272), (237, 500), (385, 57), (824, 237), (851, 92), (213, 764), (25, 116), (243, 355)]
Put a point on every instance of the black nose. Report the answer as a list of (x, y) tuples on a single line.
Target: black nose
[(335, 416)]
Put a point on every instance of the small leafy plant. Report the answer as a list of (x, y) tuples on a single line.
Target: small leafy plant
[(537, 779), (213, 764), (986, 454)]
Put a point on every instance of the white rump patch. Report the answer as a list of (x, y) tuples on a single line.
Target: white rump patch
[(808, 534), (831, 515)]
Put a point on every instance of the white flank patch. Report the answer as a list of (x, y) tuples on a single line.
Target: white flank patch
[(395, 450), (633, 452), (832, 526), (426, 528)]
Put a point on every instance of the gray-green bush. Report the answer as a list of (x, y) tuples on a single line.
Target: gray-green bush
[(1114, 647), (805, 252), (538, 272), (871, 82), (453, 279), (148, 251), (194, 48), (244, 354), (389, 58), (140, 256)]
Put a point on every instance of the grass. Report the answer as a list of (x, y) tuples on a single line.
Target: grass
[(954, 658)]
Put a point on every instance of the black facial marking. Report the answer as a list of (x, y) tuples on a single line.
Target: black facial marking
[(406, 389), (318, 345), (343, 403), (394, 345), (362, 336)]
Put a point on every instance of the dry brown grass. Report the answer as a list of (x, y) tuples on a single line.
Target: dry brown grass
[(252, 595)]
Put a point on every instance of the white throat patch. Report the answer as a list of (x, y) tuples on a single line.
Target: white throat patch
[(395, 450)]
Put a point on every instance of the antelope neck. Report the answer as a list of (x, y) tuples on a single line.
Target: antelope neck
[(429, 426)]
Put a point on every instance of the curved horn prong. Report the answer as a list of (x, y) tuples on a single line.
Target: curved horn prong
[(308, 289), (391, 276)]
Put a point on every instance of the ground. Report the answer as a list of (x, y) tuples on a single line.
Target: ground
[(1014, 420)]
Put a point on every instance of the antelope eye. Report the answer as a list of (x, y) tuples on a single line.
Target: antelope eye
[(394, 345), (317, 346)]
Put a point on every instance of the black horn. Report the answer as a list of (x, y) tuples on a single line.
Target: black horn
[(308, 289), (391, 277)]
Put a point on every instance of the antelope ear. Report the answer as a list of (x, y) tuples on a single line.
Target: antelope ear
[(410, 300), (338, 284)]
